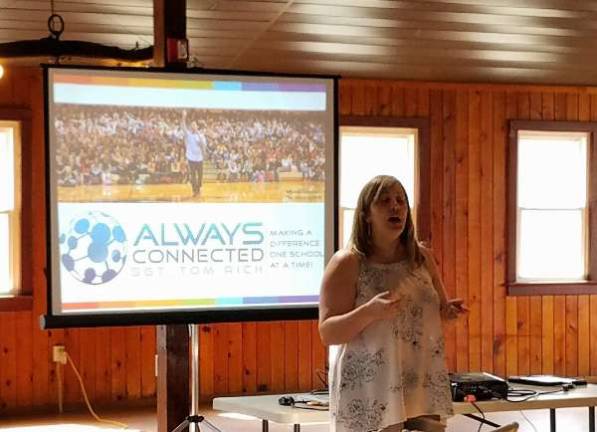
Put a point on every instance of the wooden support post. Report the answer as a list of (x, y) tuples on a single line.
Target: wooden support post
[(173, 396), (173, 376), (170, 21)]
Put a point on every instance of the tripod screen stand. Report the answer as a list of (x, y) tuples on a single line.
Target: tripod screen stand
[(194, 420)]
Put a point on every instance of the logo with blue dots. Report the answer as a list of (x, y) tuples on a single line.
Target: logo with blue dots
[(93, 250)]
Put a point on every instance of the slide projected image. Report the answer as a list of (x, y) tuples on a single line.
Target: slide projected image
[(186, 192), (112, 153)]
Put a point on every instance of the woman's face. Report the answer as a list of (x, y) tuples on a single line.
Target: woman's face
[(387, 214)]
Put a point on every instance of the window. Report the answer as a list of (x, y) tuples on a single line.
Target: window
[(373, 146), (552, 225), (15, 127), (10, 162)]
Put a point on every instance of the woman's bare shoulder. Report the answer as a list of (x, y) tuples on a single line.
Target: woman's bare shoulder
[(346, 258), (344, 264)]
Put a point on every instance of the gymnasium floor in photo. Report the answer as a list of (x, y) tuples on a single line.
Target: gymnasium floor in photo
[(211, 192)]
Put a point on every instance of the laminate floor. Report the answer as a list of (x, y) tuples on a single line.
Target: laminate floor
[(144, 420)]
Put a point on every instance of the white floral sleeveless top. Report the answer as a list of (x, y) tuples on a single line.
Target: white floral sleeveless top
[(394, 369)]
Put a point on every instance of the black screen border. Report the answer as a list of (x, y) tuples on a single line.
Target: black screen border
[(52, 321)]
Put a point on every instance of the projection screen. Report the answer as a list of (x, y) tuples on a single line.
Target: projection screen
[(187, 197)]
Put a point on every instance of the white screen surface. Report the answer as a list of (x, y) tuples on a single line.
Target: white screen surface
[(187, 192)]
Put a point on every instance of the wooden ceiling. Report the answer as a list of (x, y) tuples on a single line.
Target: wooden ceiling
[(516, 41)]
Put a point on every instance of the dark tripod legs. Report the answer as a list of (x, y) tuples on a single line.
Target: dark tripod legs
[(195, 420)]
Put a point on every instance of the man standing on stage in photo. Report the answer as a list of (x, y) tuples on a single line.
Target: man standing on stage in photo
[(196, 144)]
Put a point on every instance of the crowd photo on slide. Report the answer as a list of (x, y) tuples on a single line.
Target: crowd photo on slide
[(113, 145)]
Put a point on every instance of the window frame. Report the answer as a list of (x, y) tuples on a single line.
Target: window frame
[(422, 188), (22, 298), (552, 288)]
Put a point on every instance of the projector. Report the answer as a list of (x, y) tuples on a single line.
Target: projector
[(481, 385)]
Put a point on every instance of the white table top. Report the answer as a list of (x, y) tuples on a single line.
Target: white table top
[(267, 407)]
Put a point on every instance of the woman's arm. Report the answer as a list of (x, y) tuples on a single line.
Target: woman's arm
[(450, 308), (339, 320)]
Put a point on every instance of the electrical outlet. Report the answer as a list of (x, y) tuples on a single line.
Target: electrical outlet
[(59, 354)]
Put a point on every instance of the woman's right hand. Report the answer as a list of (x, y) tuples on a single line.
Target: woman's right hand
[(384, 305)]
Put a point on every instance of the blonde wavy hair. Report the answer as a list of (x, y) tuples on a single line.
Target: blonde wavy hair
[(361, 239)]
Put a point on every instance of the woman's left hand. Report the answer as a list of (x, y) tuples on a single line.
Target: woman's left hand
[(453, 308)]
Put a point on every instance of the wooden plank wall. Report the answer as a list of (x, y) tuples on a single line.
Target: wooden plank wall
[(116, 364), (469, 126), (506, 335)]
